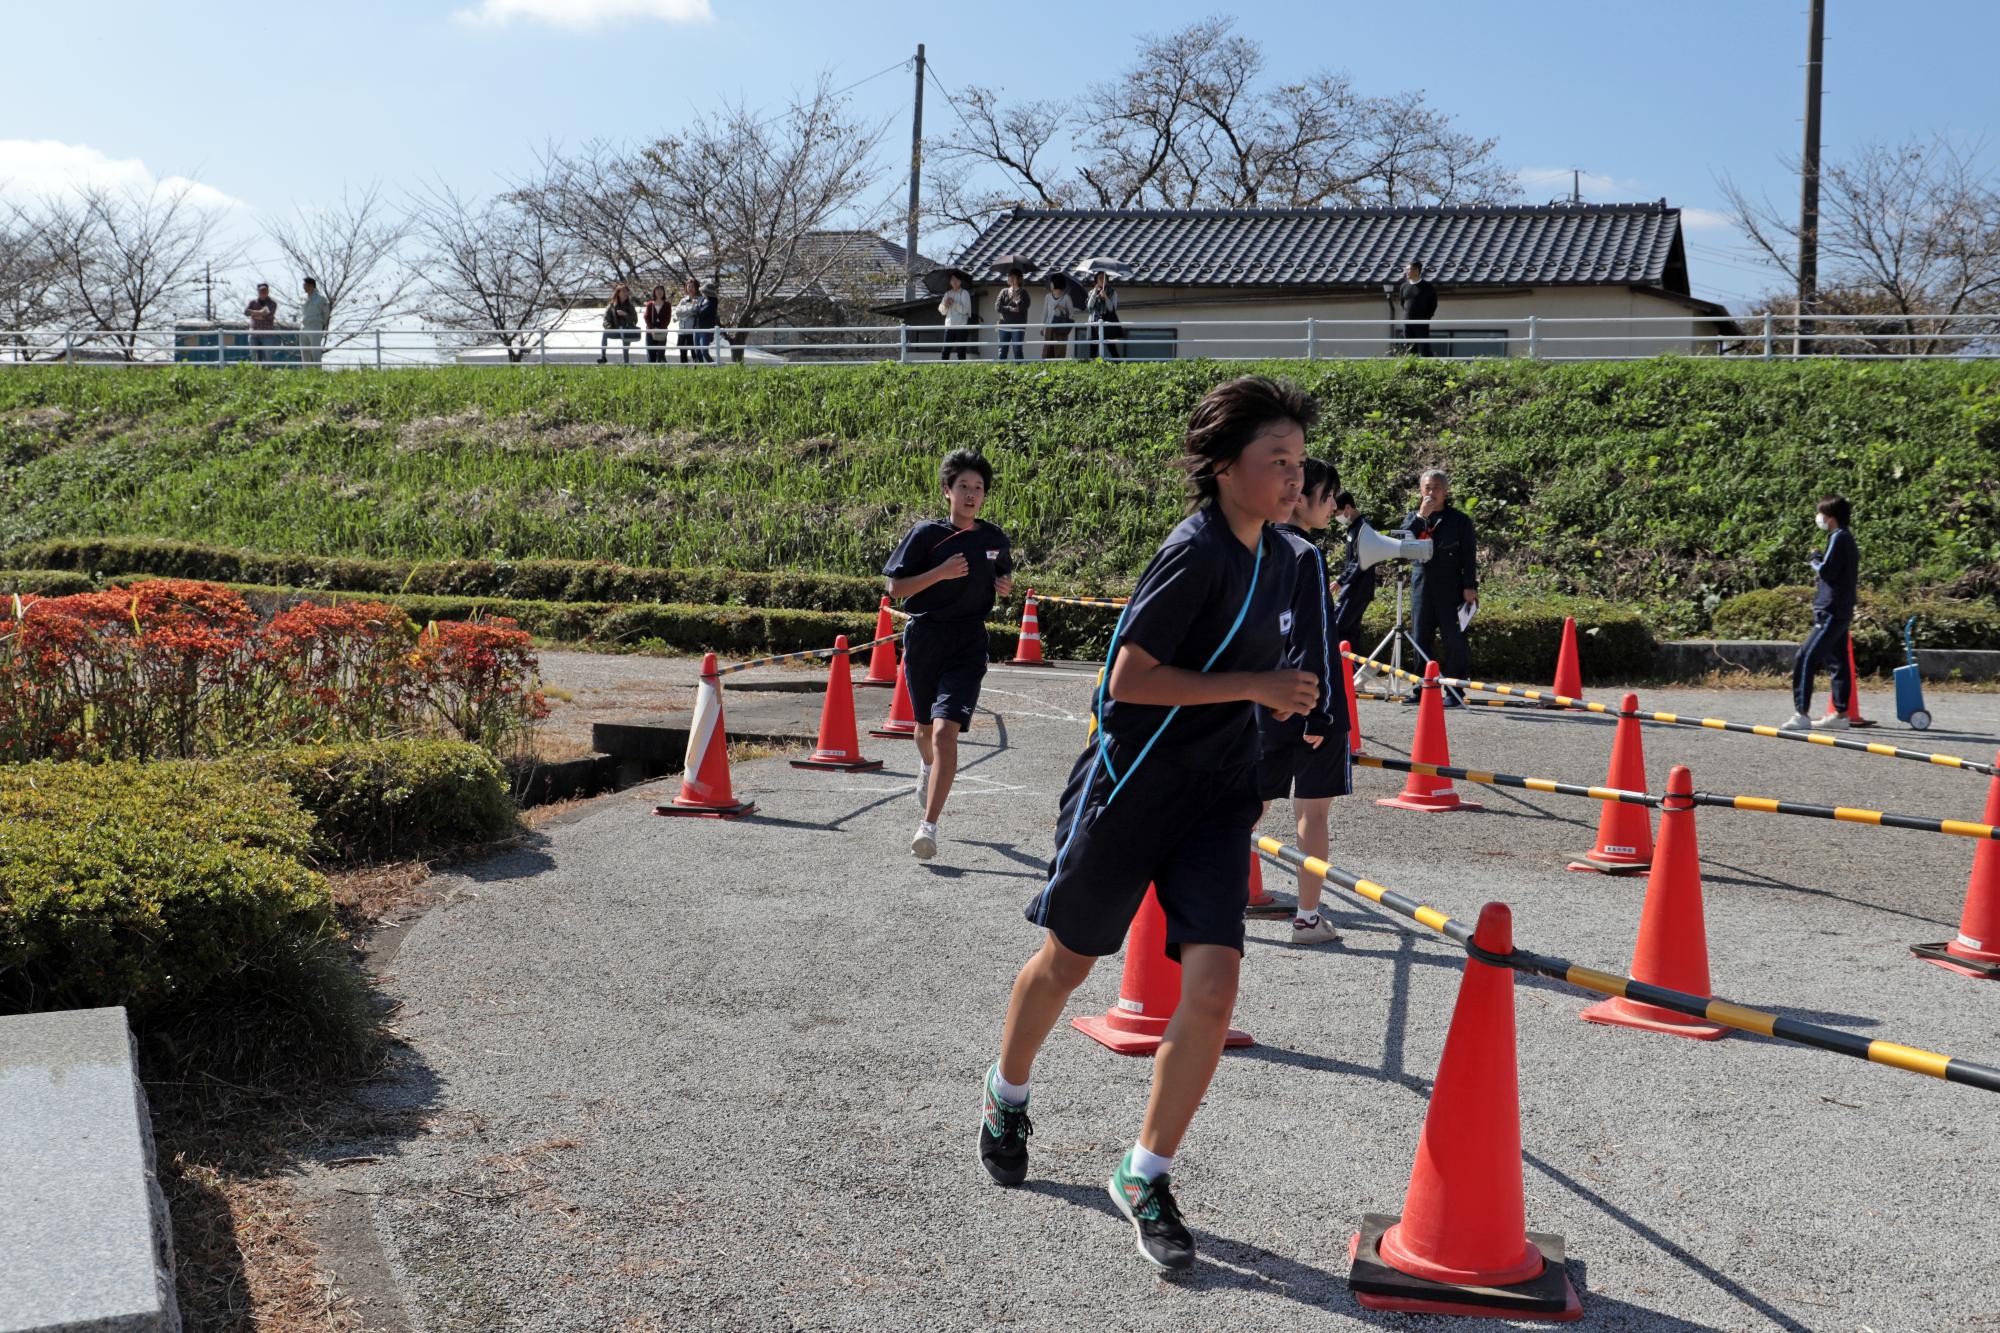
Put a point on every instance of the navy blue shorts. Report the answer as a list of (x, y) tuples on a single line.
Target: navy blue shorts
[(1184, 831), (943, 667), (1307, 774)]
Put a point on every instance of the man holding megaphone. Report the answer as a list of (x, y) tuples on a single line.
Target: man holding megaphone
[(1444, 589)]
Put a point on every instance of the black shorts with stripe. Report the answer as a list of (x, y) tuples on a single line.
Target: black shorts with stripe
[(1304, 773), (944, 666), (1184, 831)]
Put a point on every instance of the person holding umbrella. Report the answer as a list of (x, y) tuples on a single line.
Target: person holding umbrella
[(1106, 329)]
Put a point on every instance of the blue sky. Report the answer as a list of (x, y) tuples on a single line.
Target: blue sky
[(274, 106)]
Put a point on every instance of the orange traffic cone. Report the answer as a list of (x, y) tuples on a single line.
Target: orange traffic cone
[(1624, 832), (882, 662), (839, 747), (1569, 679), (1353, 715), (1261, 902), (1854, 718), (1976, 951), (902, 719), (1427, 794), (1148, 993), (1673, 941), (1462, 1245), (1028, 651), (705, 772)]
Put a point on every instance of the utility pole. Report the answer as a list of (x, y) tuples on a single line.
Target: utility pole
[(1576, 185), (1809, 183), (208, 290), (916, 176)]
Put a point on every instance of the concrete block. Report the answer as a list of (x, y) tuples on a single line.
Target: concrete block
[(85, 1238), (1690, 659)]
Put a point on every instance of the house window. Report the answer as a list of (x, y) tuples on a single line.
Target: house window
[(1152, 342), (1469, 342)]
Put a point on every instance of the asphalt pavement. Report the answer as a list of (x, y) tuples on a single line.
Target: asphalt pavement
[(695, 1074)]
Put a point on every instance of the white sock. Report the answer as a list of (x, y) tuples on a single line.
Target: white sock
[(1306, 919), (1148, 1165), (1014, 1094)]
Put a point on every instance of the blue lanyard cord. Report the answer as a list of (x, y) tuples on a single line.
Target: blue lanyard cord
[(1104, 737)]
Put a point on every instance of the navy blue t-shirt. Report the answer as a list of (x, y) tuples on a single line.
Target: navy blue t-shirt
[(988, 555), (1183, 608), (1308, 647)]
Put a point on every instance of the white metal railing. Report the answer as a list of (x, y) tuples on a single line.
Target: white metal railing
[(1553, 338)]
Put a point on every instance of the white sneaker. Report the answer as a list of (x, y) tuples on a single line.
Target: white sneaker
[(924, 845), (923, 783), (1321, 931), (1831, 722), (1797, 722)]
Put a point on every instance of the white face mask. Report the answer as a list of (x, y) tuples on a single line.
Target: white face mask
[(1823, 521)]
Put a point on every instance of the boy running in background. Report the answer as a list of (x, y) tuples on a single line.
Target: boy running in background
[(1165, 792), (1305, 756), (947, 573)]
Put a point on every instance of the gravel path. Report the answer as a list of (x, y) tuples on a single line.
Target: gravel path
[(698, 1075)]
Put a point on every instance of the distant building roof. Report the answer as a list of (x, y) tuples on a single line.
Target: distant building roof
[(857, 263), (1498, 245)]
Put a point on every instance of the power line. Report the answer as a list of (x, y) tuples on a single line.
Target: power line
[(930, 68)]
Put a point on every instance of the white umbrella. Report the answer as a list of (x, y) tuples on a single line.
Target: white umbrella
[(1117, 268)]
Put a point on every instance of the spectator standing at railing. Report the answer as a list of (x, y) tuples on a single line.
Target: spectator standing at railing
[(1012, 307), (687, 321), (659, 318), (707, 322), (315, 312), (1419, 300), (1106, 329), (1058, 313), (262, 312), (956, 307), (1838, 569), (620, 315)]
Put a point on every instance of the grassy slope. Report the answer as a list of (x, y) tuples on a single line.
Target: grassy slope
[(1663, 482)]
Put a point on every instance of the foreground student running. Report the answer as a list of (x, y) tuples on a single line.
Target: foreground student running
[(947, 572), (1306, 757), (1165, 793)]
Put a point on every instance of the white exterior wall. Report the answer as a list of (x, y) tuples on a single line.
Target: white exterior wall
[(1237, 328)]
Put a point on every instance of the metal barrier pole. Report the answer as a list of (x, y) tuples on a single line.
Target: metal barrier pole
[(1769, 335), (1534, 339), (1312, 339), (903, 343), (378, 349), (69, 348)]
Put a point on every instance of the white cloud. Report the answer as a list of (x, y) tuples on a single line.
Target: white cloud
[(1555, 181), (584, 14), (1707, 219), (44, 168)]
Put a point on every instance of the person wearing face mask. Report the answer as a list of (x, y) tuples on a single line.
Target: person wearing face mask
[(1833, 613), (1356, 586)]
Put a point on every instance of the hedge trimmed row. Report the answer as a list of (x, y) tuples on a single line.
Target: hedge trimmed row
[(44, 582), (1512, 640), (376, 801), (1786, 613), (525, 580)]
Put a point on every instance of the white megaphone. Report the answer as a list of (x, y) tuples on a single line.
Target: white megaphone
[(1371, 548)]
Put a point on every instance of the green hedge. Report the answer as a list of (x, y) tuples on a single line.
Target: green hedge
[(151, 885), (391, 800), (1786, 613), (44, 582), (1665, 485)]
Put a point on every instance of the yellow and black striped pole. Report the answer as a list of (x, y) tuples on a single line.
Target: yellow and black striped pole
[(1740, 1017), (1115, 602), (1563, 701), (1958, 828), (808, 654)]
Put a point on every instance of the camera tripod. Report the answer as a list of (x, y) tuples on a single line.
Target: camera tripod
[(1397, 688)]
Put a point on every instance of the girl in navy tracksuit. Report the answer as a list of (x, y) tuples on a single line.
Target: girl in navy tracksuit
[(1165, 792), (1838, 568)]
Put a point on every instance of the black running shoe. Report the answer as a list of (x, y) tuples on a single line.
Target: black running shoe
[(1003, 1137), (1149, 1205)]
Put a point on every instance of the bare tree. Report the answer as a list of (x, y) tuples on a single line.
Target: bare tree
[(1191, 124), (603, 201), (29, 278), (748, 194), (495, 270), (353, 249), (130, 258), (1907, 230)]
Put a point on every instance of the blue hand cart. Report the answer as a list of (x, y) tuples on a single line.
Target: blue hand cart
[(1910, 685)]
